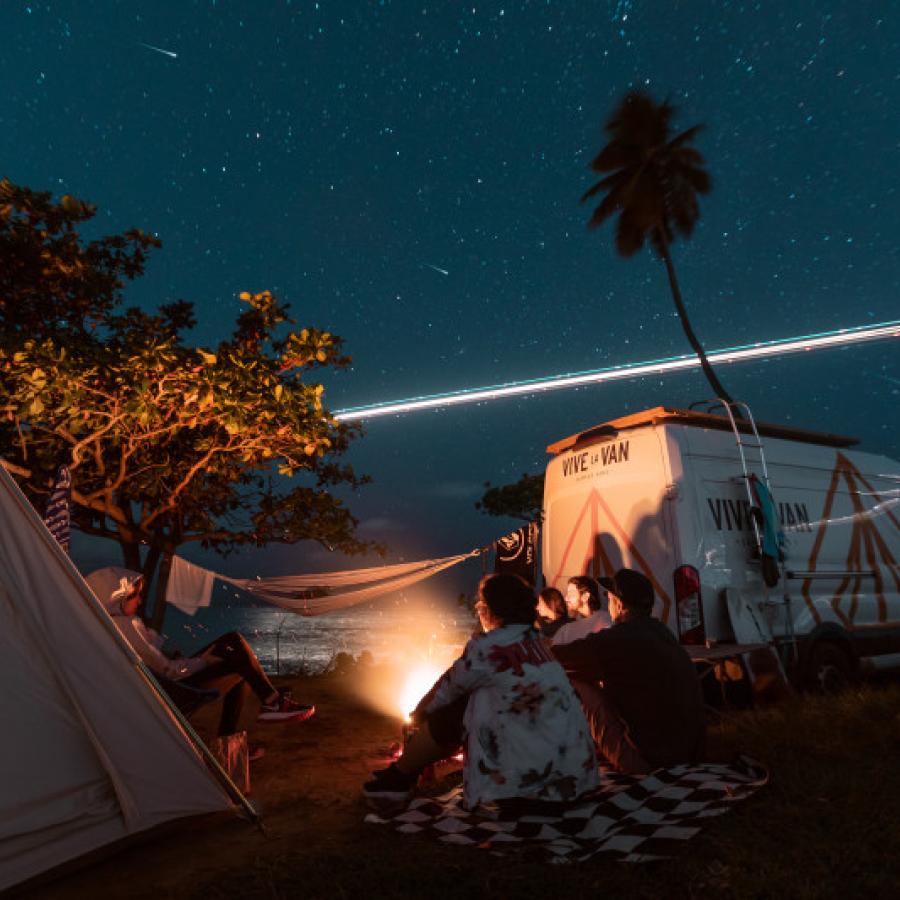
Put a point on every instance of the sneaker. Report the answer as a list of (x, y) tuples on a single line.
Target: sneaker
[(285, 710), (256, 753), (390, 784)]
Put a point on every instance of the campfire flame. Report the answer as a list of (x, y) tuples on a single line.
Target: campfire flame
[(418, 681)]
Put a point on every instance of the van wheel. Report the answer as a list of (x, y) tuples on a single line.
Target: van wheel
[(830, 668)]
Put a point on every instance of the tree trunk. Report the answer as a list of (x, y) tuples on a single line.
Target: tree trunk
[(131, 554), (157, 617), (150, 564), (697, 347)]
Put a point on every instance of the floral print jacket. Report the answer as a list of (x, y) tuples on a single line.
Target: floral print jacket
[(526, 735)]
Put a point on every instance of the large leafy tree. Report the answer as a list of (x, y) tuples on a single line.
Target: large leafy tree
[(168, 443), (53, 283), (524, 499), (653, 182)]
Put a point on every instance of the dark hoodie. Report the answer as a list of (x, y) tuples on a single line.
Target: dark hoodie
[(652, 682)]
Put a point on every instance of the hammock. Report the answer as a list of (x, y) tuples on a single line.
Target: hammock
[(190, 585)]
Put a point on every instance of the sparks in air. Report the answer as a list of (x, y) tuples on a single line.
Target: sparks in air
[(437, 269), (841, 337), (171, 53)]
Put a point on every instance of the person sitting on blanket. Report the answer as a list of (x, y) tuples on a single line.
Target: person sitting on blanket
[(586, 607), (639, 688), (227, 665), (508, 701)]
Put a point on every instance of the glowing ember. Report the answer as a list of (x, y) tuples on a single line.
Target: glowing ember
[(418, 682)]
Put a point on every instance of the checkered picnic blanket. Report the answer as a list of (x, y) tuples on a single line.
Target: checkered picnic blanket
[(626, 819)]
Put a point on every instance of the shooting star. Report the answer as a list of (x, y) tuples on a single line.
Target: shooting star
[(839, 337), (159, 50), (436, 268)]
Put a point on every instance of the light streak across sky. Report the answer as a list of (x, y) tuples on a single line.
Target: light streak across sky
[(841, 337)]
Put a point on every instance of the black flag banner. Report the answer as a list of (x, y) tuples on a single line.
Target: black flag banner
[(56, 515), (516, 553)]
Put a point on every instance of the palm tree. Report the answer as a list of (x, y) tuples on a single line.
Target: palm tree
[(653, 187)]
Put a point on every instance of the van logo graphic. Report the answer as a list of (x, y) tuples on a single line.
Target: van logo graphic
[(605, 455), (517, 552), (868, 548), (736, 515), (596, 556), (510, 545)]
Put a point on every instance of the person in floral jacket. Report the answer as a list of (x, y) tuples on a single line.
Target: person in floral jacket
[(508, 702)]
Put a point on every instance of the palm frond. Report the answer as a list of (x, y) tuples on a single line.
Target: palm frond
[(604, 183), (608, 205), (684, 212), (685, 137), (698, 179), (615, 155), (630, 236), (689, 156), (645, 122)]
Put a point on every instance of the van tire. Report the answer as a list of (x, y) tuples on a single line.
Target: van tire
[(830, 668)]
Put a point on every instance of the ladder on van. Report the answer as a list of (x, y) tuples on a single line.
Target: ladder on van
[(744, 414), (738, 410)]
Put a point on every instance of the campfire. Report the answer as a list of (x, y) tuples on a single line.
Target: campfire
[(417, 682)]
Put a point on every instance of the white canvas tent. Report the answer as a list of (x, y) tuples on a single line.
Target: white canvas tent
[(89, 753)]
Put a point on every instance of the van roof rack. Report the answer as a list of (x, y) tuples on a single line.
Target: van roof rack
[(668, 415)]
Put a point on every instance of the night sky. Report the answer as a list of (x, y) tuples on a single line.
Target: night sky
[(346, 155)]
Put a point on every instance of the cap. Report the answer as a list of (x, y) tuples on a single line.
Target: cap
[(632, 588), (112, 584)]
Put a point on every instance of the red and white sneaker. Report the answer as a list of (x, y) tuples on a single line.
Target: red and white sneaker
[(285, 710)]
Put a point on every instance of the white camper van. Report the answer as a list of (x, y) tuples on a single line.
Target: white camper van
[(666, 491)]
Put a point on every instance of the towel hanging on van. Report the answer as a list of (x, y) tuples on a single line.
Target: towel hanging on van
[(772, 537)]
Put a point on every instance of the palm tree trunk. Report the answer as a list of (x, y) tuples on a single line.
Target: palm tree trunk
[(697, 347)]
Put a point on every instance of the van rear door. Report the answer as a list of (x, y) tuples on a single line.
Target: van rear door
[(605, 507)]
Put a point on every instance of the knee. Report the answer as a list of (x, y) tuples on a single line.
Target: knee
[(237, 641)]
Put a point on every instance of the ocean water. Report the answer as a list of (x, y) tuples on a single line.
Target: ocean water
[(287, 643)]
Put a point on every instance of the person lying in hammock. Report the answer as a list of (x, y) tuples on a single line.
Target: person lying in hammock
[(228, 665), (509, 702)]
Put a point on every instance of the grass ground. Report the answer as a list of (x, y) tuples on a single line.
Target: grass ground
[(828, 824)]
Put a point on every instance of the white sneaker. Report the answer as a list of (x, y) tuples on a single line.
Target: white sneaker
[(285, 710)]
